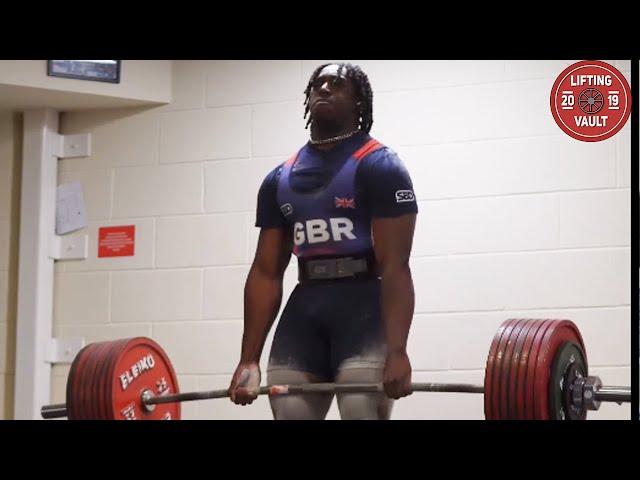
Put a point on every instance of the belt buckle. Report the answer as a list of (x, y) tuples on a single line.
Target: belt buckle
[(318, 269), (341, 268)]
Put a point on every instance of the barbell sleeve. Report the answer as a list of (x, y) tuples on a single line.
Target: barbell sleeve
[(613, 394)]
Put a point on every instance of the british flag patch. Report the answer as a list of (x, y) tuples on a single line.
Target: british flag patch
[(344, 202)]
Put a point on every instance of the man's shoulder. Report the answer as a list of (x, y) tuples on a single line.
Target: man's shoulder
[(275, 172), (382, 158), (289, 159), (272, 177)]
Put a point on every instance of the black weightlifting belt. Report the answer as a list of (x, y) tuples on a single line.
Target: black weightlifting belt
[(334, 268)]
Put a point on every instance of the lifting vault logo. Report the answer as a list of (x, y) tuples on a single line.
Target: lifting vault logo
[(591, 101)]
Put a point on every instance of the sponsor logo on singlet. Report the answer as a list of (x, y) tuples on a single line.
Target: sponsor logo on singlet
[(405, 196), (286, 209)]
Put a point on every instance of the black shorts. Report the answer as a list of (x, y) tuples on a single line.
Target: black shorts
[(330, 325)]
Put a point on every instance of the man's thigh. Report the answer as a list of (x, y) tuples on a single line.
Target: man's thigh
[(363, 406), (297, 407)]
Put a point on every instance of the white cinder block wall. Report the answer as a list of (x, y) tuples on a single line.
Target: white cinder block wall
[(516, 219)]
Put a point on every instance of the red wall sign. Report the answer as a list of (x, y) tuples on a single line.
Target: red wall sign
[(116, 241)]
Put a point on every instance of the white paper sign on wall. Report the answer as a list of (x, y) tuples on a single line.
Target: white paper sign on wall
[(70, 210)]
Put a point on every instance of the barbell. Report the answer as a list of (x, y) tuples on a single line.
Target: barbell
[(536, 369)]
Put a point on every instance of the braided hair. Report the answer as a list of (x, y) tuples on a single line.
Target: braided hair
[(364, 94)]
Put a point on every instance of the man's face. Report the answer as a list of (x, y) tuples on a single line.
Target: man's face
[(332, 98)]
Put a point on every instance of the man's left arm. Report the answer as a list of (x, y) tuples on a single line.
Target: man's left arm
[(393, 238), (393, 208)]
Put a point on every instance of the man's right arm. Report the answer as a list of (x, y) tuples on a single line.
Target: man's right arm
[(262, 299), (263, 290)]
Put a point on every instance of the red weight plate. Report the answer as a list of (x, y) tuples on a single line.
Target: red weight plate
[(142, 365), (71, 390), (540, 406), (561, 331), (505, 371), (107, 376), (507, 389), (498, 381), (105, 379), (529, 380), (83, 383), (102, 353), (99, 380), (515, 387), (488, 372), (69, 393), (492, 371), (521, 379), (116, 350), (88, 398), (75, 387)]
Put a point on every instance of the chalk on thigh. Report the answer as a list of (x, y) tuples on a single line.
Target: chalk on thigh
[(297, 407), (363, 406)]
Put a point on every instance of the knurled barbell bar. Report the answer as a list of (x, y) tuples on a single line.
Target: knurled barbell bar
[(536, 369)]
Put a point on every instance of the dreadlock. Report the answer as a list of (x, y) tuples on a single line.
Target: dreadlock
[(364, 94)]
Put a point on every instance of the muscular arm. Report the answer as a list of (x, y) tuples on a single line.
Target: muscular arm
[(262, 298), (393, 238), (263, 290)]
